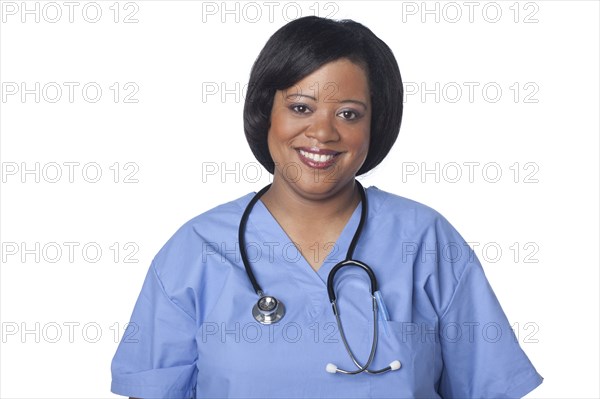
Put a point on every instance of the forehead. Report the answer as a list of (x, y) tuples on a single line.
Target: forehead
[(342, 77)]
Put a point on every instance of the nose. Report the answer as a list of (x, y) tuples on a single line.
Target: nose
[(323, 128)]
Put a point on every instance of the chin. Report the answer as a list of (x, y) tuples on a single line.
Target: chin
[(322, 188)]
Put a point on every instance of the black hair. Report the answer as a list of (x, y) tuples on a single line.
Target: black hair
[(301, 47)]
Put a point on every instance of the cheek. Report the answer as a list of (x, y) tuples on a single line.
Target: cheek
[(367, 136), (282, 131), (365, 149), (271, 145), (281, 120), (279, 129), (361, 141), (277, 139), (273, 133)]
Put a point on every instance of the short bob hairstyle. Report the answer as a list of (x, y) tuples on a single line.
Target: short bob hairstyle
[(301, 47)]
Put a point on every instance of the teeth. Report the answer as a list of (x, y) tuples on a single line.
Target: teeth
[(316, 157)]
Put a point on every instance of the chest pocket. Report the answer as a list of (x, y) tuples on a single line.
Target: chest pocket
[(415, 347)]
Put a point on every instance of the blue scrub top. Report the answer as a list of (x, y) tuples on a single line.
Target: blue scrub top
[(192, 334)]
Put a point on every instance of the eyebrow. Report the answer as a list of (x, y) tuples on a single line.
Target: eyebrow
[(314, 99)]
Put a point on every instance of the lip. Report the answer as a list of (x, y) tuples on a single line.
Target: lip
[(315, 164), (316, 150)]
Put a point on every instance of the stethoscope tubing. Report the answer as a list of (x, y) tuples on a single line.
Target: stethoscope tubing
[(242, 240), (330, 286)]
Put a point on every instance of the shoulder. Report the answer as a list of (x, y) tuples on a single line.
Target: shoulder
[(199, 235), (383, 204), (218, 218), (380, 198), (222, 216), (419, 230)]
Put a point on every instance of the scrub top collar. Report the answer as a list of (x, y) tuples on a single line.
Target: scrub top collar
[(273, 231)]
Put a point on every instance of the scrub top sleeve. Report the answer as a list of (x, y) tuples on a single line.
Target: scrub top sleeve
[(156, 357), (481, 355)]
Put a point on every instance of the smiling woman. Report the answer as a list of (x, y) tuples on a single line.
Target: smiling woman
[(324, 106)]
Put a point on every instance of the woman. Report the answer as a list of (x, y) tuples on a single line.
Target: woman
[(324, 105)]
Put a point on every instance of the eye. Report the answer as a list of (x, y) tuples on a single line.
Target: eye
[(300, 108), (348, 114)]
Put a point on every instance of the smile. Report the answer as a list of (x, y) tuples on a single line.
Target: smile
[(320, 160)]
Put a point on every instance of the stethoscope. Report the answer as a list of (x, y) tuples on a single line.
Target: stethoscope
[(270, 310)]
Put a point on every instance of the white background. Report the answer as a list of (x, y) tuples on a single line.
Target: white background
[(176, 51)]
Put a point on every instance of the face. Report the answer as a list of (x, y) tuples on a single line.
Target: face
[(320, 130)]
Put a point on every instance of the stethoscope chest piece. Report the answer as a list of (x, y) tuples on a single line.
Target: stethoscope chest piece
[(268, 310)]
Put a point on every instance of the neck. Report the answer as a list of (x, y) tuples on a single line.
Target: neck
[(283, 200)]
